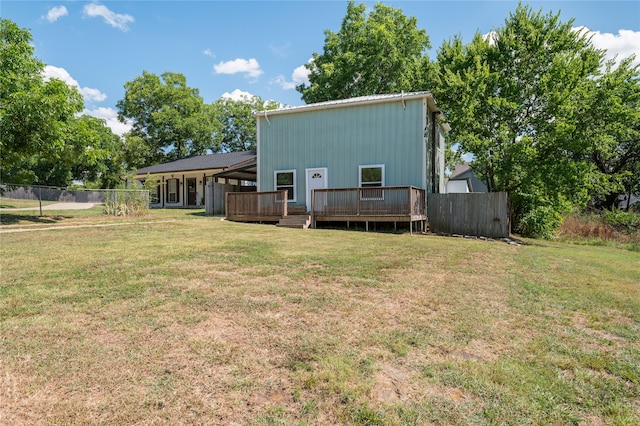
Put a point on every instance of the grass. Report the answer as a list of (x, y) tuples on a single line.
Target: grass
[(592, 229), (180, 318), (12, 203)]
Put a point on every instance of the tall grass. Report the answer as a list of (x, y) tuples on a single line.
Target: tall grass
[(608, 229)]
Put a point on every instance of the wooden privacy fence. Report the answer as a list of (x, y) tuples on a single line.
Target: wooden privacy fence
[(479, 214), (256, 206)]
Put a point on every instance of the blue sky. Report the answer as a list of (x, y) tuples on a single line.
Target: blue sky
[(228, 48)]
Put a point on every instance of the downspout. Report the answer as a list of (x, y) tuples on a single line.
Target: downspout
[(433, 153)]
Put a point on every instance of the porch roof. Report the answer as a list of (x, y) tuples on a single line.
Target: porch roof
[(200, 162), (246, 170)]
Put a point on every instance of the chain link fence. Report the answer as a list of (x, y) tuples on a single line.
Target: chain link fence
[(120, 202)]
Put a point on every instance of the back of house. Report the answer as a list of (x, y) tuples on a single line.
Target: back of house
[(371, 141)]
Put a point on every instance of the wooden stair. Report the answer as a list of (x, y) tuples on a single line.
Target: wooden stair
[(298, 221)]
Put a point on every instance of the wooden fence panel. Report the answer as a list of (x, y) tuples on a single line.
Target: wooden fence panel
[(256, 206), (479, 214)]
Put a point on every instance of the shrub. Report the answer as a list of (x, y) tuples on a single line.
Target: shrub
[(127, 202), (539, 222), (623, 221)]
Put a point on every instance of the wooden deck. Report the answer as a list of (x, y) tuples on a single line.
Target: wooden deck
[(398, 204), (375, 204)]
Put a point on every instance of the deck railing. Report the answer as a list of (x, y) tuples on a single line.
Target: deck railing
[(256, 206), (394, 201)]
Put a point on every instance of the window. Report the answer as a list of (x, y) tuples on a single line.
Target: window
[(371, 177), (286, 179), (173, 194), (155, 195)]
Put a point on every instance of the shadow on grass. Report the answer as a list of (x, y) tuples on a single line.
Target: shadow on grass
[(198, 214), (14, 219)]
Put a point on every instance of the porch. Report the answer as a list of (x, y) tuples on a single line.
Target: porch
[(404, 204)]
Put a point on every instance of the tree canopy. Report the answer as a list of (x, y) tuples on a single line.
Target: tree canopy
[(35, 115), (170, 120), (42, 137), (515, 100), (379, 52), (238, 131)]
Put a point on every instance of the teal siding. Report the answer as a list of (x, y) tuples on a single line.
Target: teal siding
[(341, 139)]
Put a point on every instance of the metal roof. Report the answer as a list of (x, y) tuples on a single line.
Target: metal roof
[(361, 100), (247, 170), (200, 162)]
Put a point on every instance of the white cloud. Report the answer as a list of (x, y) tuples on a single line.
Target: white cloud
[(249, 67), (208, 52), (56, 13), (89, 94), (238, 95), (299, 76), (116, 20), (110, 115), (623, 44)]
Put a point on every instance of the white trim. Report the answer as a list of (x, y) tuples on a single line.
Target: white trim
[(307, 193), (258, 150), (295, 186), (425, 141), (361, 100), (369, 166)]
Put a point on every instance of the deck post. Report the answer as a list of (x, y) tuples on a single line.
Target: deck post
[(313, 208)]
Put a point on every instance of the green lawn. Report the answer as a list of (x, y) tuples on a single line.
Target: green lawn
[(178, 318), (12, 203)]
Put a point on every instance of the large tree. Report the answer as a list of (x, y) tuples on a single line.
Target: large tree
[(611, 124), (373, 53), (91, 153), (35, 114), (515, 101), (170, 120), (238, 131)]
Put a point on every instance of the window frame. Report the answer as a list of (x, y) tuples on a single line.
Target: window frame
[(292, 194), (168, 201), (380, 184), (155, 195)]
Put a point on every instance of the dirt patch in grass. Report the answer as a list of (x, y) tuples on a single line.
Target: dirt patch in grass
[(198, 321)]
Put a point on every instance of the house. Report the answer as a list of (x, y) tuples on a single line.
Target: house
[(368, 143), (380, 140), (463, 180), (182, 183)]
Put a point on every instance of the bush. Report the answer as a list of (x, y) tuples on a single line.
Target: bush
[(596, 229), (539, 222), (127, 202), (623, 221)]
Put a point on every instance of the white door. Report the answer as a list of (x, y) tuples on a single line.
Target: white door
[(316, 179)]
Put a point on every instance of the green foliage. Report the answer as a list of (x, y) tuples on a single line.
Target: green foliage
[(170, 120), (238, 125), (374, 53), (41, 138), (611, 125), (515, 101), (623, 220), (127, 202), (36, 115)]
